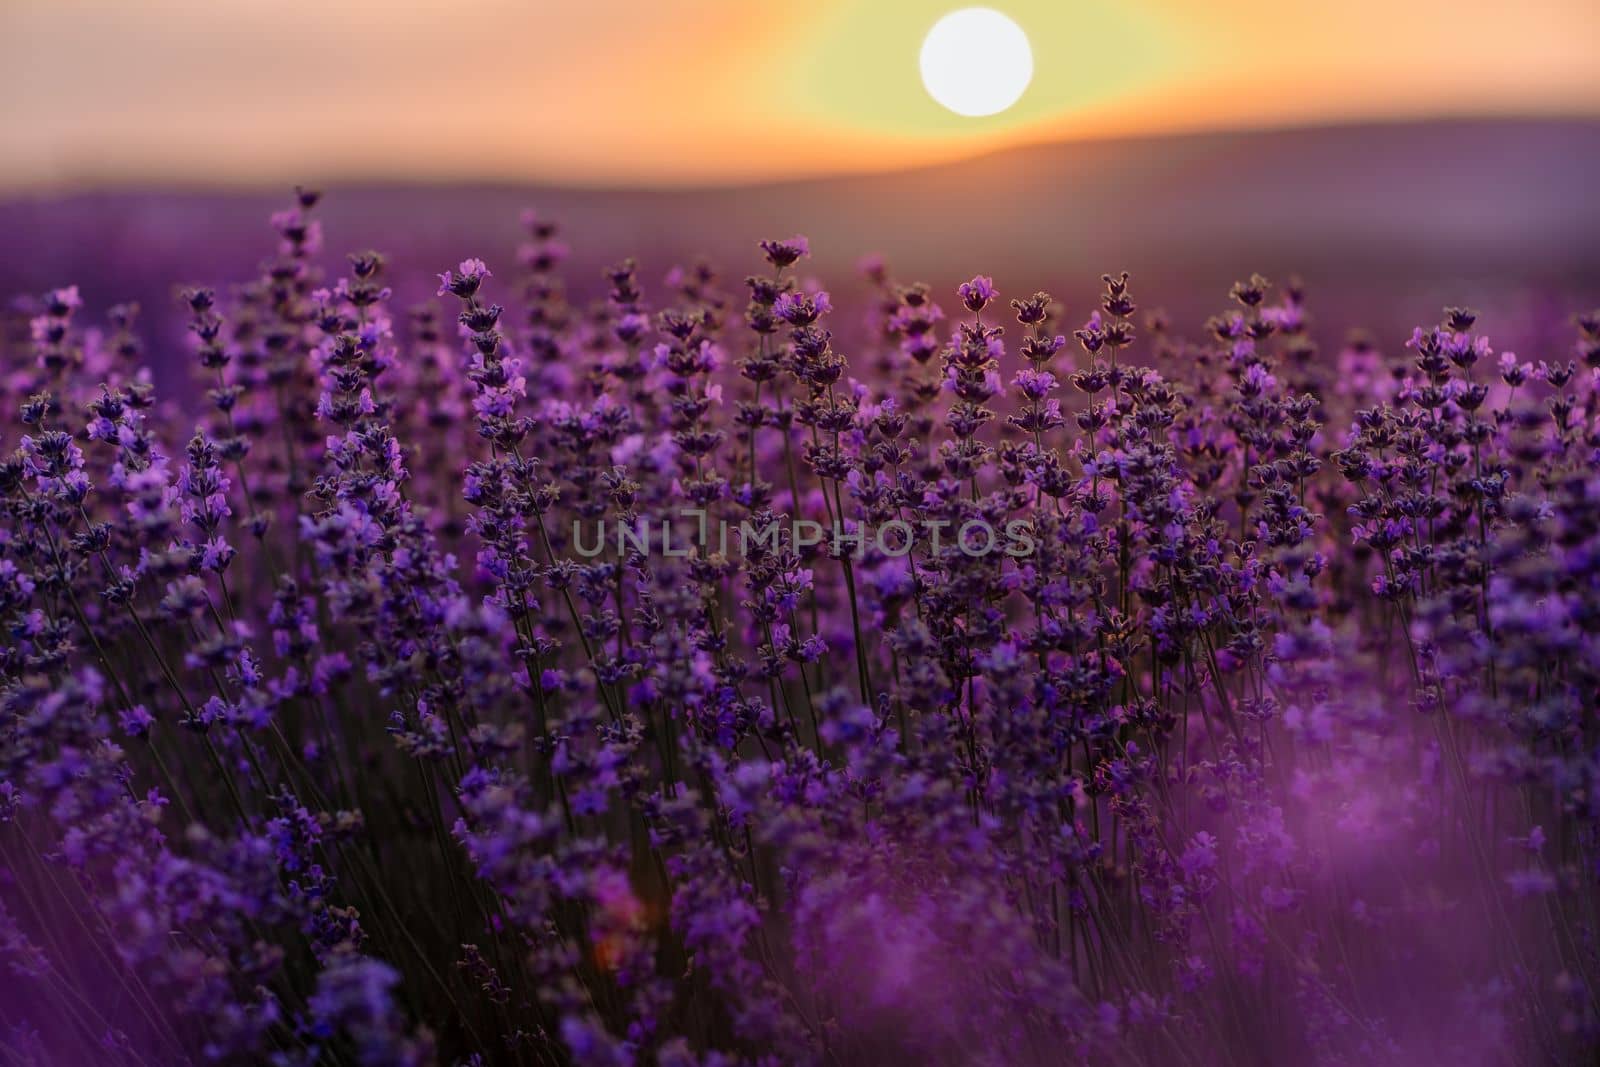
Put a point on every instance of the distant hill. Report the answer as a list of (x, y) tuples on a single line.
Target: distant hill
[(1400, 216)]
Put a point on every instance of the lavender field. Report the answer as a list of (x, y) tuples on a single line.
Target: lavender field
[(768, 660)]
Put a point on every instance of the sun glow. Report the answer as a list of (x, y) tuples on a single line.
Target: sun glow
[(976, 62)]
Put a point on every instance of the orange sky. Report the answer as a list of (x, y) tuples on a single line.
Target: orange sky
[(692, 91)]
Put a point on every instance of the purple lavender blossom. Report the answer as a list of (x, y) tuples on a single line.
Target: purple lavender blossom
[(327, 735)]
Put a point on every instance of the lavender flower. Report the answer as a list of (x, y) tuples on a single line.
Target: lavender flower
[(329, 734)]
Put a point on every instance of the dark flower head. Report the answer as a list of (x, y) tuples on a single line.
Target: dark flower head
[(1117, 302), (1250, 293), (1034, 310), (60, 303), (1092, 335), (199, 299), (802, 309), (464, 284), (976, 294), (786, 253), (366, 265)]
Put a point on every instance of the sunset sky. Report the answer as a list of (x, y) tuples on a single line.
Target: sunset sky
[(614, 92)]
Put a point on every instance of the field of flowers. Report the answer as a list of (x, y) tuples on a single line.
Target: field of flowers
[(330, 732)]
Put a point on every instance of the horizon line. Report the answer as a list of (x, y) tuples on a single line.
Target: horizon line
[(87, 182)]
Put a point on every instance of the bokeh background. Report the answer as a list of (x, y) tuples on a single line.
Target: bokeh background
[(1394, 155)]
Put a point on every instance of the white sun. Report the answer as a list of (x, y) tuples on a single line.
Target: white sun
[(976, 61)]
